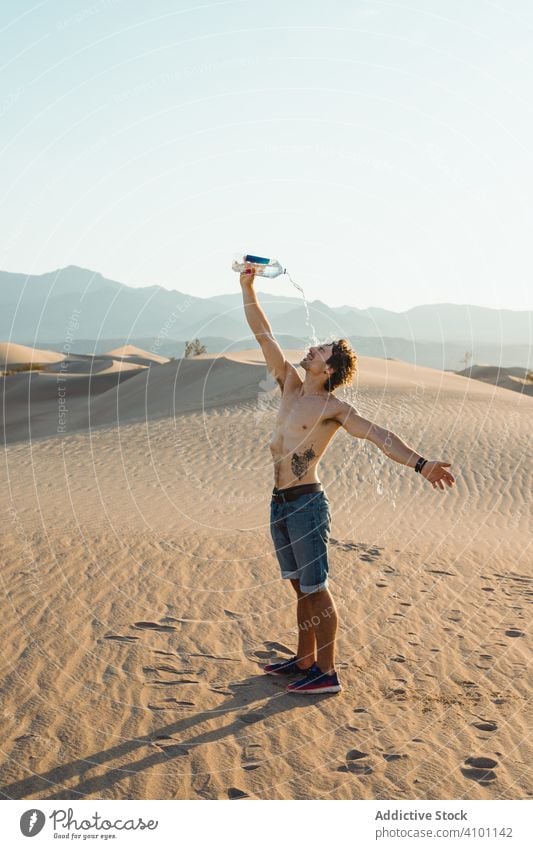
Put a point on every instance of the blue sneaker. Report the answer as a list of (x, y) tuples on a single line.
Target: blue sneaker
[(284, 667), (316, 681)]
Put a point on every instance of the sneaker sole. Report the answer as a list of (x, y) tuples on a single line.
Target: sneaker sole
[(275, 672), (335, 688)]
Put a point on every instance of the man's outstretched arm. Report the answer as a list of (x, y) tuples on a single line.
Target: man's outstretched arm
[(275, 359), (435, 471)]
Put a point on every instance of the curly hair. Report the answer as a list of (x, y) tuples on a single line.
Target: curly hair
[(344, 361)]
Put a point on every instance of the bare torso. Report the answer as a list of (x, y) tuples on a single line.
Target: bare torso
[(302, 432)]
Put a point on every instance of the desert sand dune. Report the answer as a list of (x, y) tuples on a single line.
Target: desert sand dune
[(143, 595), (31, 400), (12, 354), (91, 365), (517, 379), (203, 382), (136, 354)]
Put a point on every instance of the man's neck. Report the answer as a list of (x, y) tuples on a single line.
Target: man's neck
[(313, 388)]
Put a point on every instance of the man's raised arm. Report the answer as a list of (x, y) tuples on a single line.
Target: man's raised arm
[(260, 326), (435, 471)]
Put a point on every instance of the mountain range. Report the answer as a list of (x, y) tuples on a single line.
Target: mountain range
[(94, 313)]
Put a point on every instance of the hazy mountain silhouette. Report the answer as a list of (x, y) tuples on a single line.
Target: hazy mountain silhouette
[(41, 310)]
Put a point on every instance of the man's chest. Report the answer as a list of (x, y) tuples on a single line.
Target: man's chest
[(296, 417)]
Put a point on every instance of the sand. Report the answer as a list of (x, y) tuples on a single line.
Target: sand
[(132, 353), (142, 595), (12, 355)]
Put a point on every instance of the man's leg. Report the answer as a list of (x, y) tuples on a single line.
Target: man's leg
[(324, 619), (306, 651)]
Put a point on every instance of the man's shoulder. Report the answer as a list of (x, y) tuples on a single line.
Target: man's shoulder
[(338, 409), (292, 372)]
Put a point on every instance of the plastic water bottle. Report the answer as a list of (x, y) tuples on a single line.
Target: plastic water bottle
[(264, 267)]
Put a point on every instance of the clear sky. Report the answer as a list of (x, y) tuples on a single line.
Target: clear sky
[(381, 150)]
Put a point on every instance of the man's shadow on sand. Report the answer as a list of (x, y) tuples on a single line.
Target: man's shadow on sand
[(41, 784)]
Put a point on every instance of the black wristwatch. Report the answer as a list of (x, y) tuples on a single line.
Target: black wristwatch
[(420, 463)]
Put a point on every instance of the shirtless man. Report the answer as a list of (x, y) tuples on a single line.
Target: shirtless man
[(308, 418)]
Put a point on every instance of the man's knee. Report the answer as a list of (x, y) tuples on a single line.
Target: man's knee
[(297, 588), (315, 593)]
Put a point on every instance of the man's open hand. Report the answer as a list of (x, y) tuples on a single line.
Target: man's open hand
[(247, 277), (436, 472)]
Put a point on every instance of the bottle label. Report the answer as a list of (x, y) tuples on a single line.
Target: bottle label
[(260, 260)]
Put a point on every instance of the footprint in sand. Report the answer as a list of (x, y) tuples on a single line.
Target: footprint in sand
[(355, 755), (215, 657), (392, 756), (397, 691), (203, 788), (109, 672), (347, 546), (153, 626), (171, 669), (235, 793), (250, 718), (514, 632), (231, 615), (174, 751), (480, 769), (120, 638), (485, 725), (169, 704), (278, 647), (169, 745), (250, 759), (352, 763), (441, 572), (399, 658)]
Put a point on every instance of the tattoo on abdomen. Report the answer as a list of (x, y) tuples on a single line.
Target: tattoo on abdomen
[(300, 462)]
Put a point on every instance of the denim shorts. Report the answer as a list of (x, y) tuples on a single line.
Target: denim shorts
[(300, 531)]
